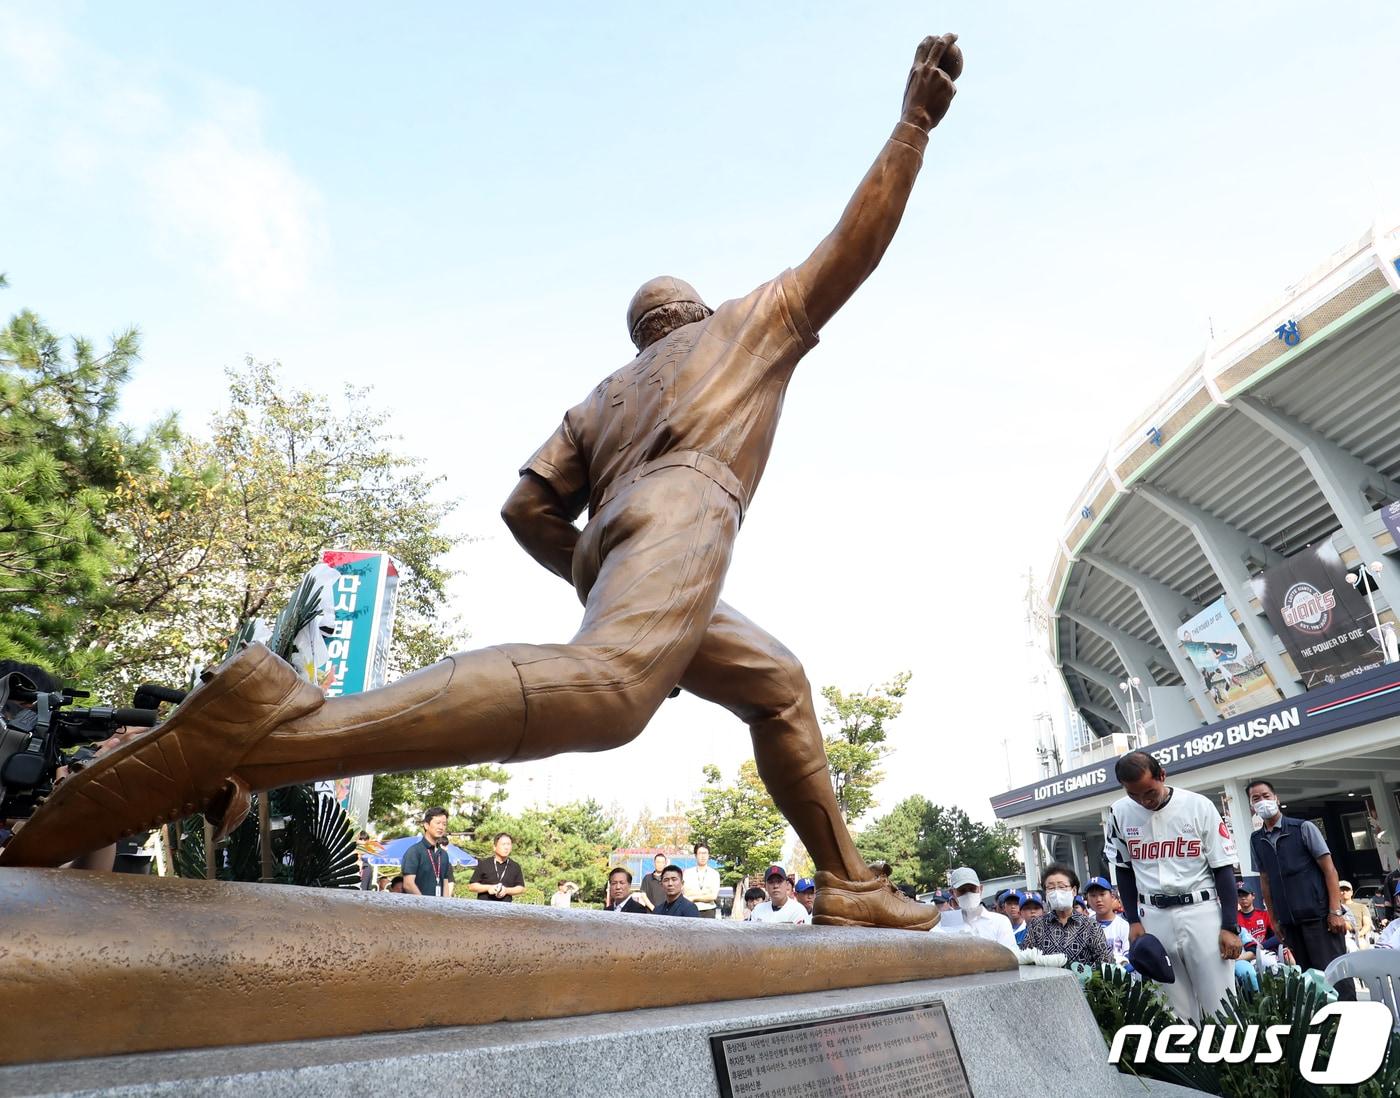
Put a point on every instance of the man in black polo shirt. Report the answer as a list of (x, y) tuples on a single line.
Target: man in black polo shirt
[(673, 884), (498, 877), (427, 870)]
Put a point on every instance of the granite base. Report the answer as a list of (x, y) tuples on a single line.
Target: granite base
[(1028, 1031)]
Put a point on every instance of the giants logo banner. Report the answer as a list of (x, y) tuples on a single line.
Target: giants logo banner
[(1322, 620)]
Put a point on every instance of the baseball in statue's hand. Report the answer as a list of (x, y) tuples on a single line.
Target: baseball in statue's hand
[(930, 88)]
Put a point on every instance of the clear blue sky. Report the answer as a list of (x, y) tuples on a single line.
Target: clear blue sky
[(455, 205)]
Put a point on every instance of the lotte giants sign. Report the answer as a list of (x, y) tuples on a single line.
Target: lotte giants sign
[(1369, 696)]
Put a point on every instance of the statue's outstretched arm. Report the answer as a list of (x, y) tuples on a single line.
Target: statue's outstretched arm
[(543, 523), (853, 249)]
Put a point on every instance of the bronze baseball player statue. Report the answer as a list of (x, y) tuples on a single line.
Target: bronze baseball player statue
[(666, 454)]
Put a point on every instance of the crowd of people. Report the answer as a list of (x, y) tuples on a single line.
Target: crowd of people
[(1178, 913)]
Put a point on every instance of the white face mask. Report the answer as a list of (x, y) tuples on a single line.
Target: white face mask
[(1266, 810), (1060, 899), (969, 900)]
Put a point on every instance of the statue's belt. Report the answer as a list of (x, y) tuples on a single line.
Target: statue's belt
[(711, 467)]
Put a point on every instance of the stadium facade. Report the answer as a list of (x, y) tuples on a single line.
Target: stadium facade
[(1222, 592)]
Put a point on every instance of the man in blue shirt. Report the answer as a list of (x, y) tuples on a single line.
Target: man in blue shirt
[(427, 870), (673, 885)]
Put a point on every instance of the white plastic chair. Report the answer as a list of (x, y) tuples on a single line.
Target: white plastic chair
[(1378, 969)]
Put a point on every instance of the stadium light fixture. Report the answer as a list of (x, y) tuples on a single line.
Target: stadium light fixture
[(1139, 733), (1355, 579)]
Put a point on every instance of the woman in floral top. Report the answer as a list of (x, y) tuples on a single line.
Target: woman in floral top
[(1062, 929)]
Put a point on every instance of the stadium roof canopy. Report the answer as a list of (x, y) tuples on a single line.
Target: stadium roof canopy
[(1278, 437)]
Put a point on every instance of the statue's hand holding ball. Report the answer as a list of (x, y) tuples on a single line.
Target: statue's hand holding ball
[(930, 88)]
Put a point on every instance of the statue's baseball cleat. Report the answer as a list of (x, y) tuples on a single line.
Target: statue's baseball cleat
[(869, 903), (185, 765)]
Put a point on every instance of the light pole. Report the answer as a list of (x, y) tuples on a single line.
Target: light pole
[(1355, 579), (1127, 686)]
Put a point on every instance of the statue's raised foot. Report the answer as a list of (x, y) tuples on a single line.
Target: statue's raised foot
[(185, 765)]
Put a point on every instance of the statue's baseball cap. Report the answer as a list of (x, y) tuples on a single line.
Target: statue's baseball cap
[(775, 871), (1149, 958), (664, 290)]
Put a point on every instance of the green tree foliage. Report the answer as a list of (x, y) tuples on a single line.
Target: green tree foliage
[(857, 747), (568, 842), (922, 842), (232, 520), (63, 456), (740, 822), (469, 793)]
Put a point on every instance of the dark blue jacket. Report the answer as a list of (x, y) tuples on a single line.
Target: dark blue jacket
[(679, 906), (1297, 892)]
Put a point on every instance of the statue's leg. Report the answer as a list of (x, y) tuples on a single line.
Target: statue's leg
[(750, 673), (657, 556), (651, 585)]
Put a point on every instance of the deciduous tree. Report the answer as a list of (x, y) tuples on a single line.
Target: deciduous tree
[(857, 747), (740, 822)]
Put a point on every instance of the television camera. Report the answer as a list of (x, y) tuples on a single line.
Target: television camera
[(41, 730)]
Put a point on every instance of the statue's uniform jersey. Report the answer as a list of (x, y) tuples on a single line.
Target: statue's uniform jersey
[(1173, 853), (714, 389)]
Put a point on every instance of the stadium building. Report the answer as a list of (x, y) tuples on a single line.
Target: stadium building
[(1222, 593)]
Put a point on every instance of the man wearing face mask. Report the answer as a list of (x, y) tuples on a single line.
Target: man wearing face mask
[(976, 919), (1300, 884), (1065, 930), (1177, 879)]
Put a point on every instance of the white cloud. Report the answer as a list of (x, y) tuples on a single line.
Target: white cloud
[(186, 151), (236, 210)]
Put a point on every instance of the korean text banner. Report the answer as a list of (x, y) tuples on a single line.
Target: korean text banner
[(1233, 674), (1321, 619)]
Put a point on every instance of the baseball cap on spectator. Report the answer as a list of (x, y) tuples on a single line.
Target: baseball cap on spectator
[(1245, 890), (1033, 898), (963, 875), (1097, 882), (775, 871), (1148, 958), (1344, 884), (941, 897), (1080, 900), (806, 884)]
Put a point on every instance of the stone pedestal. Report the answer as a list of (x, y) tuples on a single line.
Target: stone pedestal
[(1022, 1032)]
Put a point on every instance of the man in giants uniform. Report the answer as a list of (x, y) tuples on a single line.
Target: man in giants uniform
[(665, 454), (1177, 881)]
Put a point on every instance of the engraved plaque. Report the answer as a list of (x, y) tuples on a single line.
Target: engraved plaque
[(885, 1054)]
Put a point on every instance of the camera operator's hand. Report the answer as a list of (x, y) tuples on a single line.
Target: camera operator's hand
[(115, 740)]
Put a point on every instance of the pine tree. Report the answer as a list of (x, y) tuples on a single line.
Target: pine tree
[(62, 455)]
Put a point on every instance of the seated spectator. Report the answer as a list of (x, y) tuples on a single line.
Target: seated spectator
[(673, 887), (780, 906), (1256, 919), (1362, 931), (1078, 937), (976, 919), (1099, 893)]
